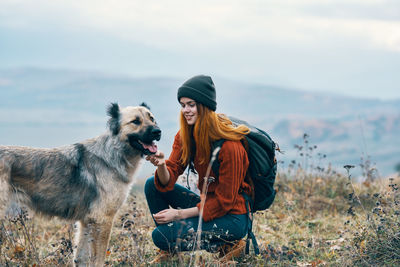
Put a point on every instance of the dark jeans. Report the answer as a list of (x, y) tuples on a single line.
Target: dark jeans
[(180, 235)]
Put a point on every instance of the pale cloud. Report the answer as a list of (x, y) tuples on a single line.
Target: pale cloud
[(182, 24), (351, 46), (369, 34)]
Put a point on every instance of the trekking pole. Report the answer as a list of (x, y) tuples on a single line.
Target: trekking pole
[(203, 200)]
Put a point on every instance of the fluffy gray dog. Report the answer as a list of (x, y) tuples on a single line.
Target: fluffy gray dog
[(86, 182)]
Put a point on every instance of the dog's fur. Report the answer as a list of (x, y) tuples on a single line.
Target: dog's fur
[(86, 182)]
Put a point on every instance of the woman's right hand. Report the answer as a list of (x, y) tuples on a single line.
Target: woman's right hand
[(157, 159)]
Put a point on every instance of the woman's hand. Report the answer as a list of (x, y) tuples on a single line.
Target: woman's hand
[(167, 215), (157, 159)]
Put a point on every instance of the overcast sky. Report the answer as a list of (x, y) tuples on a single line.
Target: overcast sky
[(348, 47)]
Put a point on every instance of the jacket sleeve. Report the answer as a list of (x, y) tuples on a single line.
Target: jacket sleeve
[(174, 166), (233, 167)]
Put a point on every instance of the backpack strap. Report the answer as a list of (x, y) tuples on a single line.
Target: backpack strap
[(215, 166), (190, 167), (250, 234)]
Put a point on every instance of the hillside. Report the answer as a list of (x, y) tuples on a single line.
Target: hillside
[(46, 108)]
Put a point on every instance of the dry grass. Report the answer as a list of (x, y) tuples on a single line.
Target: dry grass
[(320, 219)]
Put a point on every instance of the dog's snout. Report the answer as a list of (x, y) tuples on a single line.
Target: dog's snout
[(156, 132)]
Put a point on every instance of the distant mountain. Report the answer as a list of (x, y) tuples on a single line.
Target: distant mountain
[(346, 140), (47, 108)]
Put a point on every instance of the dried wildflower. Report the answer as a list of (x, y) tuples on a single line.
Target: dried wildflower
[(348, 167)]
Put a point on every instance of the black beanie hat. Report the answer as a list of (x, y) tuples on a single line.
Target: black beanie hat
[(201, 89)]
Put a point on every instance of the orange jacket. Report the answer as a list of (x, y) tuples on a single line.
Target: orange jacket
[(223, 195)]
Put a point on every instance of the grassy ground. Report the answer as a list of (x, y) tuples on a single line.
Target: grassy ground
[(320, 218)]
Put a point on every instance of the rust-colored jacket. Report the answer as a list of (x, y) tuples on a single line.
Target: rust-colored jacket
[(223, 195)]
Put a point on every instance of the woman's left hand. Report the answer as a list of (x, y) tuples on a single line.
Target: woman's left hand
[(166, 216)]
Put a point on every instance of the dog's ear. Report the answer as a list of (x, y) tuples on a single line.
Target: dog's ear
[(113, 122), (145, 105)]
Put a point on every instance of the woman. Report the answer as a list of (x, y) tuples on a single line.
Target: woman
[(175, 209)]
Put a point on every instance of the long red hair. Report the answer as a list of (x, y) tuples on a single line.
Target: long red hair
[(209, 127)]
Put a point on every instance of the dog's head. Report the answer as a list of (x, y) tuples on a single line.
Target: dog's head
[(135, 126)]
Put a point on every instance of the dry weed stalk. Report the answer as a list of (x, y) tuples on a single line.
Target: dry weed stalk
[(203, 196)]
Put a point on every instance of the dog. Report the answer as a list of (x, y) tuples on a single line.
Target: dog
[(86, 182)]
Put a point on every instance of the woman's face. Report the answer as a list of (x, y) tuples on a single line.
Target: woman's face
[(189, 110)]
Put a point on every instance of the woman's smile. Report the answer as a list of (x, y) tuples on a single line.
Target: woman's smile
[(188, 117)]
